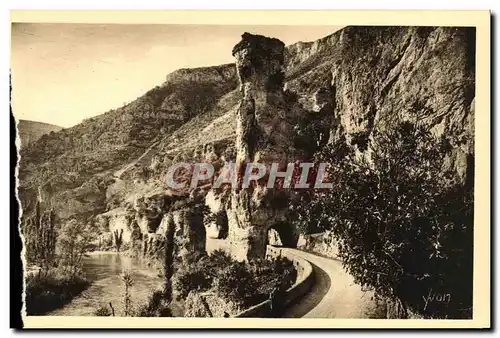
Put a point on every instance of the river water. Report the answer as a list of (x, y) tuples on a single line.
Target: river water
[(103, 269)]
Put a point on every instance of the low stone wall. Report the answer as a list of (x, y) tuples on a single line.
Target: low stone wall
[(304, 282)]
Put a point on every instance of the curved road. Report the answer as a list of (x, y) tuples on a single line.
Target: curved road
[(334, 294)]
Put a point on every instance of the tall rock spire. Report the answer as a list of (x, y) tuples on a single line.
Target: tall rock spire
[(264, 134)]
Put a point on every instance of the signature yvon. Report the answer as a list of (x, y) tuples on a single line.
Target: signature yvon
[(434, 297)]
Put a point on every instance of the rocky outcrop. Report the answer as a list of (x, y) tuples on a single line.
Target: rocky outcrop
[(216, 224), (153, 245), (208, 305), (68, 159), (144, 225), (264, 132), (384, 74), (263, 123), (149, 212)]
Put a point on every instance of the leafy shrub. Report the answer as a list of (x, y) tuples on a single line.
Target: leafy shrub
[(273, 273), (157, 306), (242, 283), (218, 259), (236, 283), (191, 278)]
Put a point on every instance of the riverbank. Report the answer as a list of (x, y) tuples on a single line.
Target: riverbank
[(104, 271), (52, 289)]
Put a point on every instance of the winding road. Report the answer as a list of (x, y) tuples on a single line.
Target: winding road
[(334, 295)]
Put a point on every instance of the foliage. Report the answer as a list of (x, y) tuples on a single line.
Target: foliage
[(198, 271), (103, 311), (191, 278), (403, 226), (243, 283), (157, 306), (236, 283), (40, 237), (51, 289), (273, 273), (248, 283), (59, 256), (73, 242), (218, 259)]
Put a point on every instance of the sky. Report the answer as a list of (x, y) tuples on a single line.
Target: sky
[(64, 73)]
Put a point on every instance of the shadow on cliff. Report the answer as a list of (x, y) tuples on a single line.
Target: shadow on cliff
[(313, 297)]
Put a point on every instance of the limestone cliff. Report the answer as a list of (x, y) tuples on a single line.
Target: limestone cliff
[(264, 133), (379, 75)]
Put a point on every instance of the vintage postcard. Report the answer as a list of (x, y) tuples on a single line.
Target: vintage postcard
[(252, 169)]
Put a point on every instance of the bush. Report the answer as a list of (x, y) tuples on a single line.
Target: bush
[(219, 259), (236, 283), (49, 290), (270, 274), (73, 242), (156, 306)]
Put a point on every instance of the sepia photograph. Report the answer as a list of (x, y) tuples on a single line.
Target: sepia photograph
[(232, 170)]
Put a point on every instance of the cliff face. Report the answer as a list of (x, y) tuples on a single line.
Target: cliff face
[(353, 83), (379, 75), (75, 166)]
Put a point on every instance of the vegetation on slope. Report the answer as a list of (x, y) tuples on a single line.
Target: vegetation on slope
[(62, 163), (401, 228), (242, 284), (59, 276)]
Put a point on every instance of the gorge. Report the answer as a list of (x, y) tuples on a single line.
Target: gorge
[(275, 104)]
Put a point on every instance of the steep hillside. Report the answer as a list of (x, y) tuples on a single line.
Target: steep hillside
[(31, 131), (74, 161), (375, 76)]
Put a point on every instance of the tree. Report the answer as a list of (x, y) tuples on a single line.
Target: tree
[(402, 224), (235, 283), (118, 239), (73, 242), (40, 235)]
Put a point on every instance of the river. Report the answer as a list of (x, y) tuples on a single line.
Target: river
[(103, 269)]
